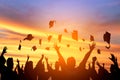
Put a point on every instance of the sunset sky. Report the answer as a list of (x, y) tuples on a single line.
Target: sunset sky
[(90, 17)]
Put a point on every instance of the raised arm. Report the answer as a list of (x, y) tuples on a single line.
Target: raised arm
[(42, 58), (114, 60), (48, 66), (40, 61), (26, 62), (91, 47), (99, 65), (4, 51), (18, 64), (2, 58), (57, 50), (93, 62), (27, 58), (61, 59), (20, 70)]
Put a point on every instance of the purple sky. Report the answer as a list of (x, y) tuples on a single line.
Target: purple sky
[(101, 15)]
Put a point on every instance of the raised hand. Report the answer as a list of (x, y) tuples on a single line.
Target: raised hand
[(4, 50), (113, 59), (46, 59), (56, 47), (28, 57), (42, 58), (92, 46), (18, 61)]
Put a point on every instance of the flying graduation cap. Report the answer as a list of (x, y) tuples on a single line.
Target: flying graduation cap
[(91, 38), (51, 23), (40, 41), (49, 38), (75, 35), (107, 37), (29, 37), (65, 30), (19, 47), (80, 48), (68, 45), (98, 51), (47, 48), (34, 48), (83, 39), (60, 37)]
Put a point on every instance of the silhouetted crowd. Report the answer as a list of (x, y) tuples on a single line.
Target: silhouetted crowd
[(64, 70)]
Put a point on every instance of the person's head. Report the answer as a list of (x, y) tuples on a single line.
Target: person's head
[(71, 62), (30, 65), (56, 65), (94, 59), (10, 63)]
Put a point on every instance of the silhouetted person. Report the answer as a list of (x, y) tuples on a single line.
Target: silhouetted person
[(55, 74), (69, 70), (2, 63), (28, 70), (10, 74), (114, 69), (62, 63), (93, 72), (20, 70), (61, 59), (83, 72), (72, 72), (40, 70), (103, 74)]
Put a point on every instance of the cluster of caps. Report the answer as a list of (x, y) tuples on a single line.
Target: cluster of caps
[(29, 37)]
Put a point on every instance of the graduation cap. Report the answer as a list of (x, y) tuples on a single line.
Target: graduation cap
[(49, 38), (91, 38), (83, 39), (107, 37), (68, 45), (65, 30), (60, 37), (98, 51), (34, 48), (20, 41), (51, 23), (29, 37), (19, 47), (75, 35), (47, 48), (40, 41), (80, 48)]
